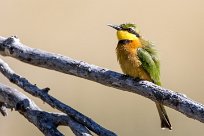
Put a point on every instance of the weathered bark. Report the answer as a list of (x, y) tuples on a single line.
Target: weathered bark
[(13, 48), (46, 122)]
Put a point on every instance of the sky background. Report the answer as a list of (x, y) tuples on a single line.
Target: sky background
[(78, 29)]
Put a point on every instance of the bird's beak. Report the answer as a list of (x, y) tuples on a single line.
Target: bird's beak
[(114, 26)]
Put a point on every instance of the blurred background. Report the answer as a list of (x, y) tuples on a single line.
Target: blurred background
[(78, 29)]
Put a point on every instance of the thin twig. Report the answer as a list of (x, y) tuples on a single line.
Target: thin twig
[(46, 122), (37, 92), (3, 108)]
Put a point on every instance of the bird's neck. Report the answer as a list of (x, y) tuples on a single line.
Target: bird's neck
[(133, 44), (123, 42)]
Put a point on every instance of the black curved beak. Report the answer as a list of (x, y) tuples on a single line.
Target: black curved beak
[(115, 26)]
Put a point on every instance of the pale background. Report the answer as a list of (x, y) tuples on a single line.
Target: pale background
[(78, 29)]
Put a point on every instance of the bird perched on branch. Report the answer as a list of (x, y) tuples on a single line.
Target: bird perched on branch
[(138, 59)]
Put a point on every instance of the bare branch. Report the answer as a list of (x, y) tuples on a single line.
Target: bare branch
[(46, 122), (35, 91), (13, 48)]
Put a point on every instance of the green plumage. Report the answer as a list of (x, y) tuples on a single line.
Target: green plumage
[(150, 62), (128, 25)]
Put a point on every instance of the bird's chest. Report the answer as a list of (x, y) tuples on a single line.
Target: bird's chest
[(129, 61)]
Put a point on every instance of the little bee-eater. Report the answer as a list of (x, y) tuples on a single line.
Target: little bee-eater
[(138, 59)]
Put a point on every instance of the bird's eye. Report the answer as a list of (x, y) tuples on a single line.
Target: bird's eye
[(131, 30)]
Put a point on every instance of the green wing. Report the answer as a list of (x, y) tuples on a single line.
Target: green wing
[(150, 62)]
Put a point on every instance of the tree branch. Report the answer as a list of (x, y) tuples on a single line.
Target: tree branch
[(43, 95), (13, 48), (46, 122)]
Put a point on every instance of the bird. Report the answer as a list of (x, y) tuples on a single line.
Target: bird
[(138, 58)]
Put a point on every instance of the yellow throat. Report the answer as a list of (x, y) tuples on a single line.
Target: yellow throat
[(125, 35)]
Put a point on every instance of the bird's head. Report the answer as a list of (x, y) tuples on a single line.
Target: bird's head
[(126, 31)]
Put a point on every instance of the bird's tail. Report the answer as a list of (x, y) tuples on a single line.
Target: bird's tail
[(165, 123)]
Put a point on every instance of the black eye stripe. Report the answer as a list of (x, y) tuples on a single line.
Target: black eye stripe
[(130, 30)]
